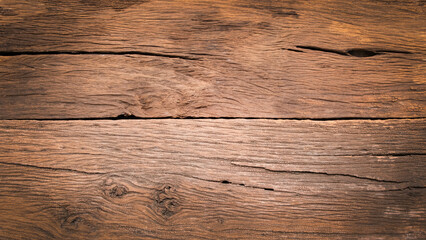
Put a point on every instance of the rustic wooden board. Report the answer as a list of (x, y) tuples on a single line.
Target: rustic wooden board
[(329, 60), (243, 30), (212, 179), (243, 58), (87, 86)]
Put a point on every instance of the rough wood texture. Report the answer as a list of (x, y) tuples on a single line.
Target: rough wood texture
[(272, 59), (236, 29), (57, 86), (85, 177), (212, 179)]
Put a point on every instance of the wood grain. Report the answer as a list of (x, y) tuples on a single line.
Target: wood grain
[(212, 179), (355, 170), (274, 59), (87, 86), (236, 29)]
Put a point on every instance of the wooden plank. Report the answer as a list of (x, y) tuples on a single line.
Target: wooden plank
[(212, 179), (274, 59), (237, 29), (298, 86)]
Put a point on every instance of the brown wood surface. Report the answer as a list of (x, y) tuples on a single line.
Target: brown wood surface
[(355, 170), (273, 59), (58, 87), (235, 29), (212, 179)]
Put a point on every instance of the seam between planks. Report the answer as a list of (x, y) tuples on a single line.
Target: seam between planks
[(133, 117)]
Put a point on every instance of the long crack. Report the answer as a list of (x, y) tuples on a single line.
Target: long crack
[(317, 173), (52, 168)]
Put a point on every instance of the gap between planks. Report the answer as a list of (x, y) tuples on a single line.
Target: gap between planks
[(133, 117)]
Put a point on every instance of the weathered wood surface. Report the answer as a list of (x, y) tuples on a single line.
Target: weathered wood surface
[(212, 179), (236, 29), (272, 59), (58, 86)]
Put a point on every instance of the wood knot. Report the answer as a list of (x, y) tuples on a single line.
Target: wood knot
[(113, 189), (118, 191), (166, 202), (72, 220)]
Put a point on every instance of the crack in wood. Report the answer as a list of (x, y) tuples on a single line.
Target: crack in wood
[(234, 183), (302, 172), (317, 173), (126, 116), (325, 234), (293, 50), (368, 155), (52, 168), (406, 188), (356, 52), (323, 50), (14, 53)]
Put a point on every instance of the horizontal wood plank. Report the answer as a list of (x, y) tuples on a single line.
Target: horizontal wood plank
[(237, 29), (273, 59), (211, 179), (296, 86)]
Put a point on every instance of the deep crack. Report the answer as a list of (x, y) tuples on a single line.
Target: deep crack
[(317, 173), (11, 53), (355, 52), (125, 116)]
